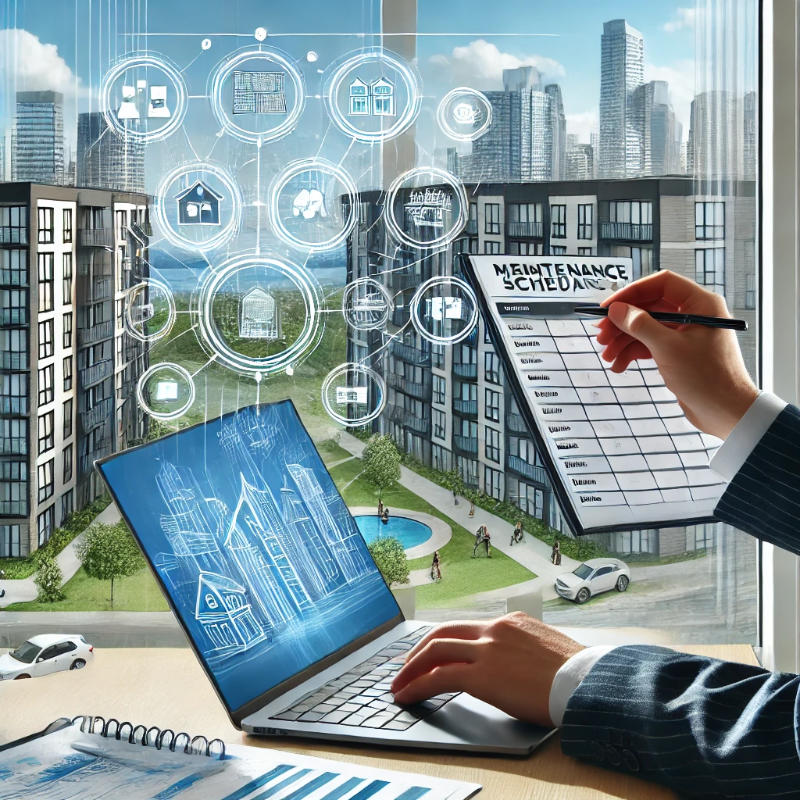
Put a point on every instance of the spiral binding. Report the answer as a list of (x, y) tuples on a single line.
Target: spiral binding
[(151, 737)]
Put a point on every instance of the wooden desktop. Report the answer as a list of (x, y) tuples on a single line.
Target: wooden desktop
[(167, 687)]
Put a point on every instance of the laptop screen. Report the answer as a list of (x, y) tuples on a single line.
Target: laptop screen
[(252, 541)]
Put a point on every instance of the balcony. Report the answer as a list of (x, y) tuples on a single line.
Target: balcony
[(529, 471), (467, 371), (97, 333), (466, 408), (400, 316), (471, 228), (97, 415), (95, 237), (13, 235), (410, 420), (13, 360), (99, 267), (410, 354), (516, 424), (419, 390), (86, 462), (626, 231), (466, 445), (525, 230), (402, 281), (96, 373), (15, 315)]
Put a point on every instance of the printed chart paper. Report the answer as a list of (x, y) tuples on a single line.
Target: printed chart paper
[(622, 453)]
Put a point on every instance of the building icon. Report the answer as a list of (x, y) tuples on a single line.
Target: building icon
[(198, 205), (258, 316), (259, 93), (375, 99)]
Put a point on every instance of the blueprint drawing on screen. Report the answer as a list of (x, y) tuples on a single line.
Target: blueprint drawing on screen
[(257, 549)]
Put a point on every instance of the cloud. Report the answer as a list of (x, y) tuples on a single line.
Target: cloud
[(680, 77), (583, 124), (480, 64), (685, 18), (35, 65)]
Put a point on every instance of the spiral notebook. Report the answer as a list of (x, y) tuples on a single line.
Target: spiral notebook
[(92, 758)]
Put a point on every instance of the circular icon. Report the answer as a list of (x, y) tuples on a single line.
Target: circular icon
[(260, 34), (198, 206), (353, 394), (143, 96), (149, 310), (444, 310), (426, 207), (305, 206), (366, 304), (258, 314), (257, 95), (373, 95), (312, 56), (206, 44), (464, 114), (165, 391)]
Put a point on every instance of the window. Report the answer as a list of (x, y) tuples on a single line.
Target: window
[(13, 489), (13, 306), (46, 339), (67, 366), (439, 389), (585, 212), (492, 482), (46, 262), (437, 355), (750, 292), (525, 248), (9, 541), (67, 507), (66, 282), (439, 423), (67, 331), (66, 457), (709, 265), (45, 523), (46, 432), (492, 218), (585, 251), (558, 250), (44, 473), (13, 225), (492, 405), (46, 226), (14, 349), (491, 248), (492, 444), (13, 436), (67, 413), (13, 394), (122, 225), (440, 458), (709, 220), (46, 384), (13, 266), (67, 223), (558, 222), (491, 367)]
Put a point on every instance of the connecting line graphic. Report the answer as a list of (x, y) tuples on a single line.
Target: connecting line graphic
[(200, 369), (189, 142), (357, 34), (389, 340), (190, 64), (183, 333), (258, 198), (217, 138)]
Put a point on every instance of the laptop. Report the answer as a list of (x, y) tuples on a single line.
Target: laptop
[(268, 574)]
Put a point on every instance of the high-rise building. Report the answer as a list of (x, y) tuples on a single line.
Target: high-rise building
[(621, 73), (715, 147), (68, 371), (660, 129), (105, 160), (558, 126), (750, 144), (579, 160), (2, 157), (38, 139)]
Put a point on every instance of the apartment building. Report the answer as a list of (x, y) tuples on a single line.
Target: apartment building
[(450, 407), (68, 372)]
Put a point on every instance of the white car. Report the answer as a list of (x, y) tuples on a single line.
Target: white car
[(593, 577), (46, 653)]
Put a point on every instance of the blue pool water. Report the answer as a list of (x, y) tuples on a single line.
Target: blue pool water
[(408, 531)]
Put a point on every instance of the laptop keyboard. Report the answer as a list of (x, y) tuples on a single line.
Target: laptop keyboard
[(362, 698)]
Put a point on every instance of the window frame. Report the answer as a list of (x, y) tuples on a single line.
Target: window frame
[(491, 225), (559, 225)]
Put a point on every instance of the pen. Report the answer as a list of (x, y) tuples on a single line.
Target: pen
[(671, 316)]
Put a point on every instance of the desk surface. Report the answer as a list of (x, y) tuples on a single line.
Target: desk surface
[(168, 688)]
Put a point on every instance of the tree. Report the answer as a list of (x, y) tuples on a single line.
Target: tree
[(108, 552), (453, 481), (48, 579), (390, 558), (381, 463)]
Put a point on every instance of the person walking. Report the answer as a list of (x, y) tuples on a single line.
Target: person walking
[(516, 535), (385, 515), (555, 555), (380, 508), (436, 569), (487, 542), (478, 540)]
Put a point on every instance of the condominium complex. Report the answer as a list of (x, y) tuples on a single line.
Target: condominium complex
[(68, 371), (105, 160), (449, 406), (38, 139)]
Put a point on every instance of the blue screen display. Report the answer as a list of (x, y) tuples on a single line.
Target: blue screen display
[(253, 542)]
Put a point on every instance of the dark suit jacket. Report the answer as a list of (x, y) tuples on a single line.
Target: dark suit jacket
[(704, 727)]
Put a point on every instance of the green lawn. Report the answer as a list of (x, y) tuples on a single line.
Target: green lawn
[(331, 452), (462, 575)]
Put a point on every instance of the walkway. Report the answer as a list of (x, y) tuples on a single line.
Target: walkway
[(24, 590), (531, 552)]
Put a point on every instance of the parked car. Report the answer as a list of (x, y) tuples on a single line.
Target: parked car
[(46, 653), (593, 577)]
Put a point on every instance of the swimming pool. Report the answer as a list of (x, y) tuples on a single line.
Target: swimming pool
[(410, 532)]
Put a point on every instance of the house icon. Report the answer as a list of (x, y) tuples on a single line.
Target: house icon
[(375, 99), (198, 205), (258, 316)]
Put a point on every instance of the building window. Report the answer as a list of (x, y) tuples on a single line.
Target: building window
[(67, 364), (67, 506), (67, 220), (14, 224), (13, 489), (709, 268), (67, 331), (46, 384), (491, 248), (9, 541), (437, 355), (46, 432), (122, 225), (46, 262), (439, 389), (13, 436), (46, 338), (585, 216), (440, 458), (558, 250), (45, 523), (67, 426), (633, 212), (558, 222), (492, 405), (492, 444), (492, 482), (750, 292), (492, 218), (13, 267), (13, 306), (439, 423), (13, 349), (66, 274), (46, 226), (45, 483), (491, 367), (14, 394), (709, 220), (516, 248), (66, 457), (585, 251)]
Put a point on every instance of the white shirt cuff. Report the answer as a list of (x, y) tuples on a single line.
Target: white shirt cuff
[(749, 430), (569, 676)]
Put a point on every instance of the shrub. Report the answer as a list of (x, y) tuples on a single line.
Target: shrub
[(48, 579), (390, 558), (381, 463)]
